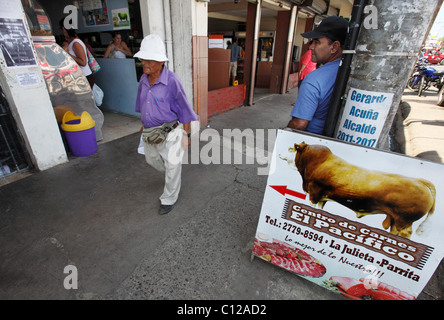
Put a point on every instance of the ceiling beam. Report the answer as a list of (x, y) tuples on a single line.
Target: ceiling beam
[(217, 15), (227, 6), (275, 5)]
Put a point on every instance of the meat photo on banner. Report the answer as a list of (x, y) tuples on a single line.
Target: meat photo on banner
[(363, 222)]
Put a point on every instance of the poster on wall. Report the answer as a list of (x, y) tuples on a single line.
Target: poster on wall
[(121, 19), (362, 222), (15, 45), (94, 12), (364, 116)]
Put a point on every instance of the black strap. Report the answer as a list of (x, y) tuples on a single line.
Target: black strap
[(168, 129)]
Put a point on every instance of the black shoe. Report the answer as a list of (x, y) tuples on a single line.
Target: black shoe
[(164, 208)]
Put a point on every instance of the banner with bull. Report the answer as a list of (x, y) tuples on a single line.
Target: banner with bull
[(363, 222)]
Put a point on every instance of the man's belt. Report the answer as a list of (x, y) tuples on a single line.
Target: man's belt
[(167, 127), (156, 135)]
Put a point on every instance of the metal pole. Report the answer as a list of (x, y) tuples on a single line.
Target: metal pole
[(344, 69)]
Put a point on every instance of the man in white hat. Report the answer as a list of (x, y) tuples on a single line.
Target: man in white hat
[(163, 105)]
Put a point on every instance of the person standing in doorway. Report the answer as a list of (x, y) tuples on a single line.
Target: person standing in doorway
[(162, 103), (311, 108), (235, 54)]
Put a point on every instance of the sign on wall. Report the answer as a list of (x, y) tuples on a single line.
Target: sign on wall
[(15, 45), (94, 12), (362, 222), (103, 15), (121, 18), (216, 41), (364, 116)]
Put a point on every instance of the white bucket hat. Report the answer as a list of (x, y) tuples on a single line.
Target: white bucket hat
[(152, 48)]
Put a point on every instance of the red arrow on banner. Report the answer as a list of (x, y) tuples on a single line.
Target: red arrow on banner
[(283, 190)]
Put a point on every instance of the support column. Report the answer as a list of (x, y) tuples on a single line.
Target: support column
[(280, 51), (200, 61), (248, 59), (289, 49), (153, 18), (254, 14), (168, 34)]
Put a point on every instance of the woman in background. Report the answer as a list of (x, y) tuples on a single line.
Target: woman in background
[(77, 50), (118, 48)]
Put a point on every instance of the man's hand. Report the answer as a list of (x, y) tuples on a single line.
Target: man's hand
[(185, 138), (299, 124), (185, 142)]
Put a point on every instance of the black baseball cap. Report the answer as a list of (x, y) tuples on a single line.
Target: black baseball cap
[(333, 27)]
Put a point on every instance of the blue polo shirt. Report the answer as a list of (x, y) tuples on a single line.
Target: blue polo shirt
[(314, 96)]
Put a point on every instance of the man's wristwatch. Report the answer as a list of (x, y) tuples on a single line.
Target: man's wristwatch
[(188, 135)]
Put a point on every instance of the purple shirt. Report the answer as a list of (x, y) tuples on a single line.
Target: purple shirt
[(164, 101)]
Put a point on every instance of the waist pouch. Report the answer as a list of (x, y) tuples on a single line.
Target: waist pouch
[(156, 135)]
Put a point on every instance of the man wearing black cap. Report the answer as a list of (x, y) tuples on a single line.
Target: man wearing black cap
[(326, 44)]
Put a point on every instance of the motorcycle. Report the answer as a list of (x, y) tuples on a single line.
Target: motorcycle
[(415, 78), (440, 101), (430, 77), (424, 76)]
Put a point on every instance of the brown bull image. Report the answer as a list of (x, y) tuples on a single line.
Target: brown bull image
[(327, 177)]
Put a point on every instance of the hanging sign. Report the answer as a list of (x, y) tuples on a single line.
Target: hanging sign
[(364, 116), (362, 222)]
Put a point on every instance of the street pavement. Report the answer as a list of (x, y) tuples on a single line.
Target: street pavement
[(99, 213), (423, 125)]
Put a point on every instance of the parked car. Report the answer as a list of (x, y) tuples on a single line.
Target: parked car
[(434, 56)]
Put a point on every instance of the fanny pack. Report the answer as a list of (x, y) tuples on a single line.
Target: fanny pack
[(156, 135)]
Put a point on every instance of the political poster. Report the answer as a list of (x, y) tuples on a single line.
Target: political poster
[(363, 222), (364, 116)]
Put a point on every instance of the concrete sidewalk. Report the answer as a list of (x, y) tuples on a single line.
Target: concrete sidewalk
[(99, 213), (422, 122)]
